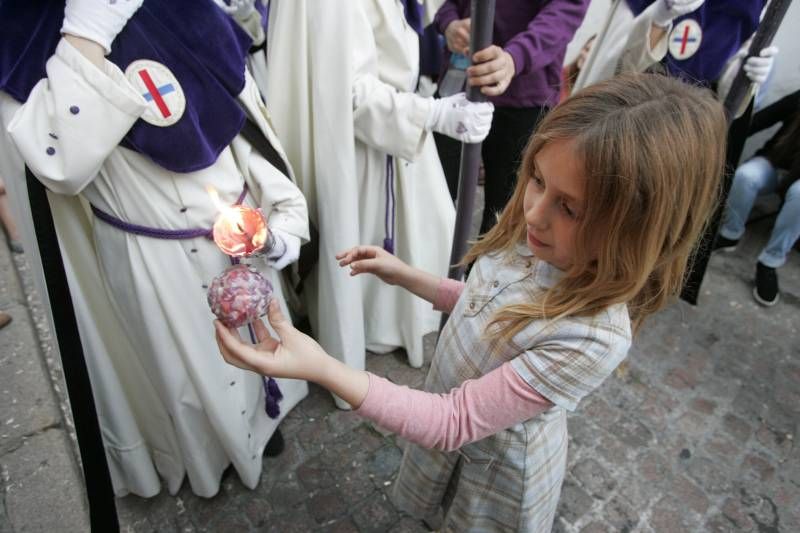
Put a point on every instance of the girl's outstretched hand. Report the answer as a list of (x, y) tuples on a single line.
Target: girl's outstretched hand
[(292, 355), (374, 260)]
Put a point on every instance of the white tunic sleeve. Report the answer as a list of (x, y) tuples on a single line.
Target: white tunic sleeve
[(281, 199), (638, 55), (386, 119), (73, 119)]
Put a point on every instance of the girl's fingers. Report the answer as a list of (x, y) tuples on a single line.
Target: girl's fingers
[(265, 339), (355, 254), (368, 266), (233, 351), (361, 267)]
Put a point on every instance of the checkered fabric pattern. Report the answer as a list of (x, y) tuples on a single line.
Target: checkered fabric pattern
[(511, 480)]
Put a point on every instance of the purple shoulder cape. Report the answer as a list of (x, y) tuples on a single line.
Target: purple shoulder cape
[(202, 46), (726, 25)]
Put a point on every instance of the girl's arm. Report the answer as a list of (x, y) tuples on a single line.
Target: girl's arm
[(392, 270), (474, 410)]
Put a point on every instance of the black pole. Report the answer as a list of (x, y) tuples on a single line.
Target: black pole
[(737, 135), (766, 31), (99, 491), (481, 30)]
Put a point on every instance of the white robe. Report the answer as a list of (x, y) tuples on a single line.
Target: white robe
[(623, 45), (339, 82), (309, 92), (390, 119), (168, 403)]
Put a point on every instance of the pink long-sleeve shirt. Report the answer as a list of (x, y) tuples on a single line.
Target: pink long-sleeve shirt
[(474, 410)]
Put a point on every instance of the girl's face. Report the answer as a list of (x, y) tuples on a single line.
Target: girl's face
[(554, 203)]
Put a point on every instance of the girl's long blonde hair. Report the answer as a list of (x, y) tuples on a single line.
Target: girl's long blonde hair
[(653, 151)]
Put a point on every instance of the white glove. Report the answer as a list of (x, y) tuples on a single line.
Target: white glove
[(758, 67), (98, 21), (457, 117), (285, 250), (238, 9), (668, 10)]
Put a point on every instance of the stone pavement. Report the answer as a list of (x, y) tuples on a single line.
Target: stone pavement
[(40, 482), (697, 433)]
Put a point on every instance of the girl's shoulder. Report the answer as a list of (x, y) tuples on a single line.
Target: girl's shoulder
[(610, 329)]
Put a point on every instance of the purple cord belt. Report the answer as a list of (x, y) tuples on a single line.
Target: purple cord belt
[(390, 210), (158, 233), (272, 393)]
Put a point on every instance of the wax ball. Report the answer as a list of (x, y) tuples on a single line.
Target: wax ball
[(239, 295)]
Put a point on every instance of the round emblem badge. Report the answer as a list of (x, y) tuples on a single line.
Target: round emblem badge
[(160, 88), (685, 39)]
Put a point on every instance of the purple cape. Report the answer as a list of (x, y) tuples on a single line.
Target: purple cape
[(201, 45), (726, 25)]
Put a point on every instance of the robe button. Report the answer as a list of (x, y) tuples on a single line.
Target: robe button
[(233, 383), (193, 250), (472, 305), (74, 109), (50, 150), (496, 284), (204, 286), (527, 264), (183, 209)]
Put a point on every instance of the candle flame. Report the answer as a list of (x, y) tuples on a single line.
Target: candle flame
[(212, 192), (239, 230)]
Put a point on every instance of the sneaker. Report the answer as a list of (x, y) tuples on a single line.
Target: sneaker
[(721, 244), (766, 290)]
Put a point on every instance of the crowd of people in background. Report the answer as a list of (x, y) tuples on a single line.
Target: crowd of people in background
[(312, 112)]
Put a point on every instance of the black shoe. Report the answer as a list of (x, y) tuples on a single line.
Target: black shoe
[(275, 445), (766, 290), (721, 244)]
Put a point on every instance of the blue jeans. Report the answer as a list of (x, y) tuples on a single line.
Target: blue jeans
[(758, 176)]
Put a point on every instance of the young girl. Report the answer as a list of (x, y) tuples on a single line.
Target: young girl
[(613, 192)]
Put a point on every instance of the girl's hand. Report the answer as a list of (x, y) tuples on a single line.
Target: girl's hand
[(457, 36), (374, 260), (492, 70), (293, 355)]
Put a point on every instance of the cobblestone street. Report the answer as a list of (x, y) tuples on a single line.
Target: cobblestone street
[(696, 433)]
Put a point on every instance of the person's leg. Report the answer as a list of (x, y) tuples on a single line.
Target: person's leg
[(502, 153), (785, 231), (8, 221), (756, 176), (784, 234)]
